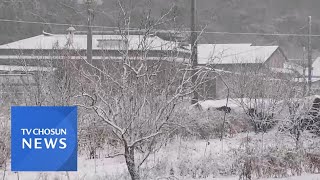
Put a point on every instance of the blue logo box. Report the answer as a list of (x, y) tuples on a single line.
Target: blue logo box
[(43, 138)]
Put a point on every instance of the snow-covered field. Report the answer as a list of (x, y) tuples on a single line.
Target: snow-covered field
[(176, 154), (185, 158), (238, 103), (92, 169)]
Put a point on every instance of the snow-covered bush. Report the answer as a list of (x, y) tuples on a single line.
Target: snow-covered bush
[(207, 124), (269, 162), (197, 168), (156, 168), (312, 156)]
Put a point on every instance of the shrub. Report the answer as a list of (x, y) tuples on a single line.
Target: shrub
[(274, 162), (92, 136), (4, 141), (207, 124)]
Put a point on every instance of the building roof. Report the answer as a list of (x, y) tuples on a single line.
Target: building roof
[(234, 53), (79, 42)]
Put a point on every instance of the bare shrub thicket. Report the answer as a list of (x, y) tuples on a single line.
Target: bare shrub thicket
[(208, 166), (272, 162), (208, 123), (92, 135), (312, 162), (271, 101), (203, 124), (5, 146), (259, 91)]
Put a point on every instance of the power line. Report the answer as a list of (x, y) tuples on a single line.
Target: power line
[(183, 31), (263, 46), (258, 34), (256, 48)]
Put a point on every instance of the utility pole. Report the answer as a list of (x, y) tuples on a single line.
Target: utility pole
[(194, 51), (89, 33), (309, 57), (304, 65)]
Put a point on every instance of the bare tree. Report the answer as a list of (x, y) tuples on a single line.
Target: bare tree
[(136, 93), (137, 98)]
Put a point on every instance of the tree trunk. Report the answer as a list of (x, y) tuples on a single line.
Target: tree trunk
[(129, 156)]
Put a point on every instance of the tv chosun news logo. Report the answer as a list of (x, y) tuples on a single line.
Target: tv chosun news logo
[(43, 138)]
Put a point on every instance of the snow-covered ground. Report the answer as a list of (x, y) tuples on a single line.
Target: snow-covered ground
[(240, 104), (87, 169), (302, 177), (235, 102), (176, 154), (181, 156)]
